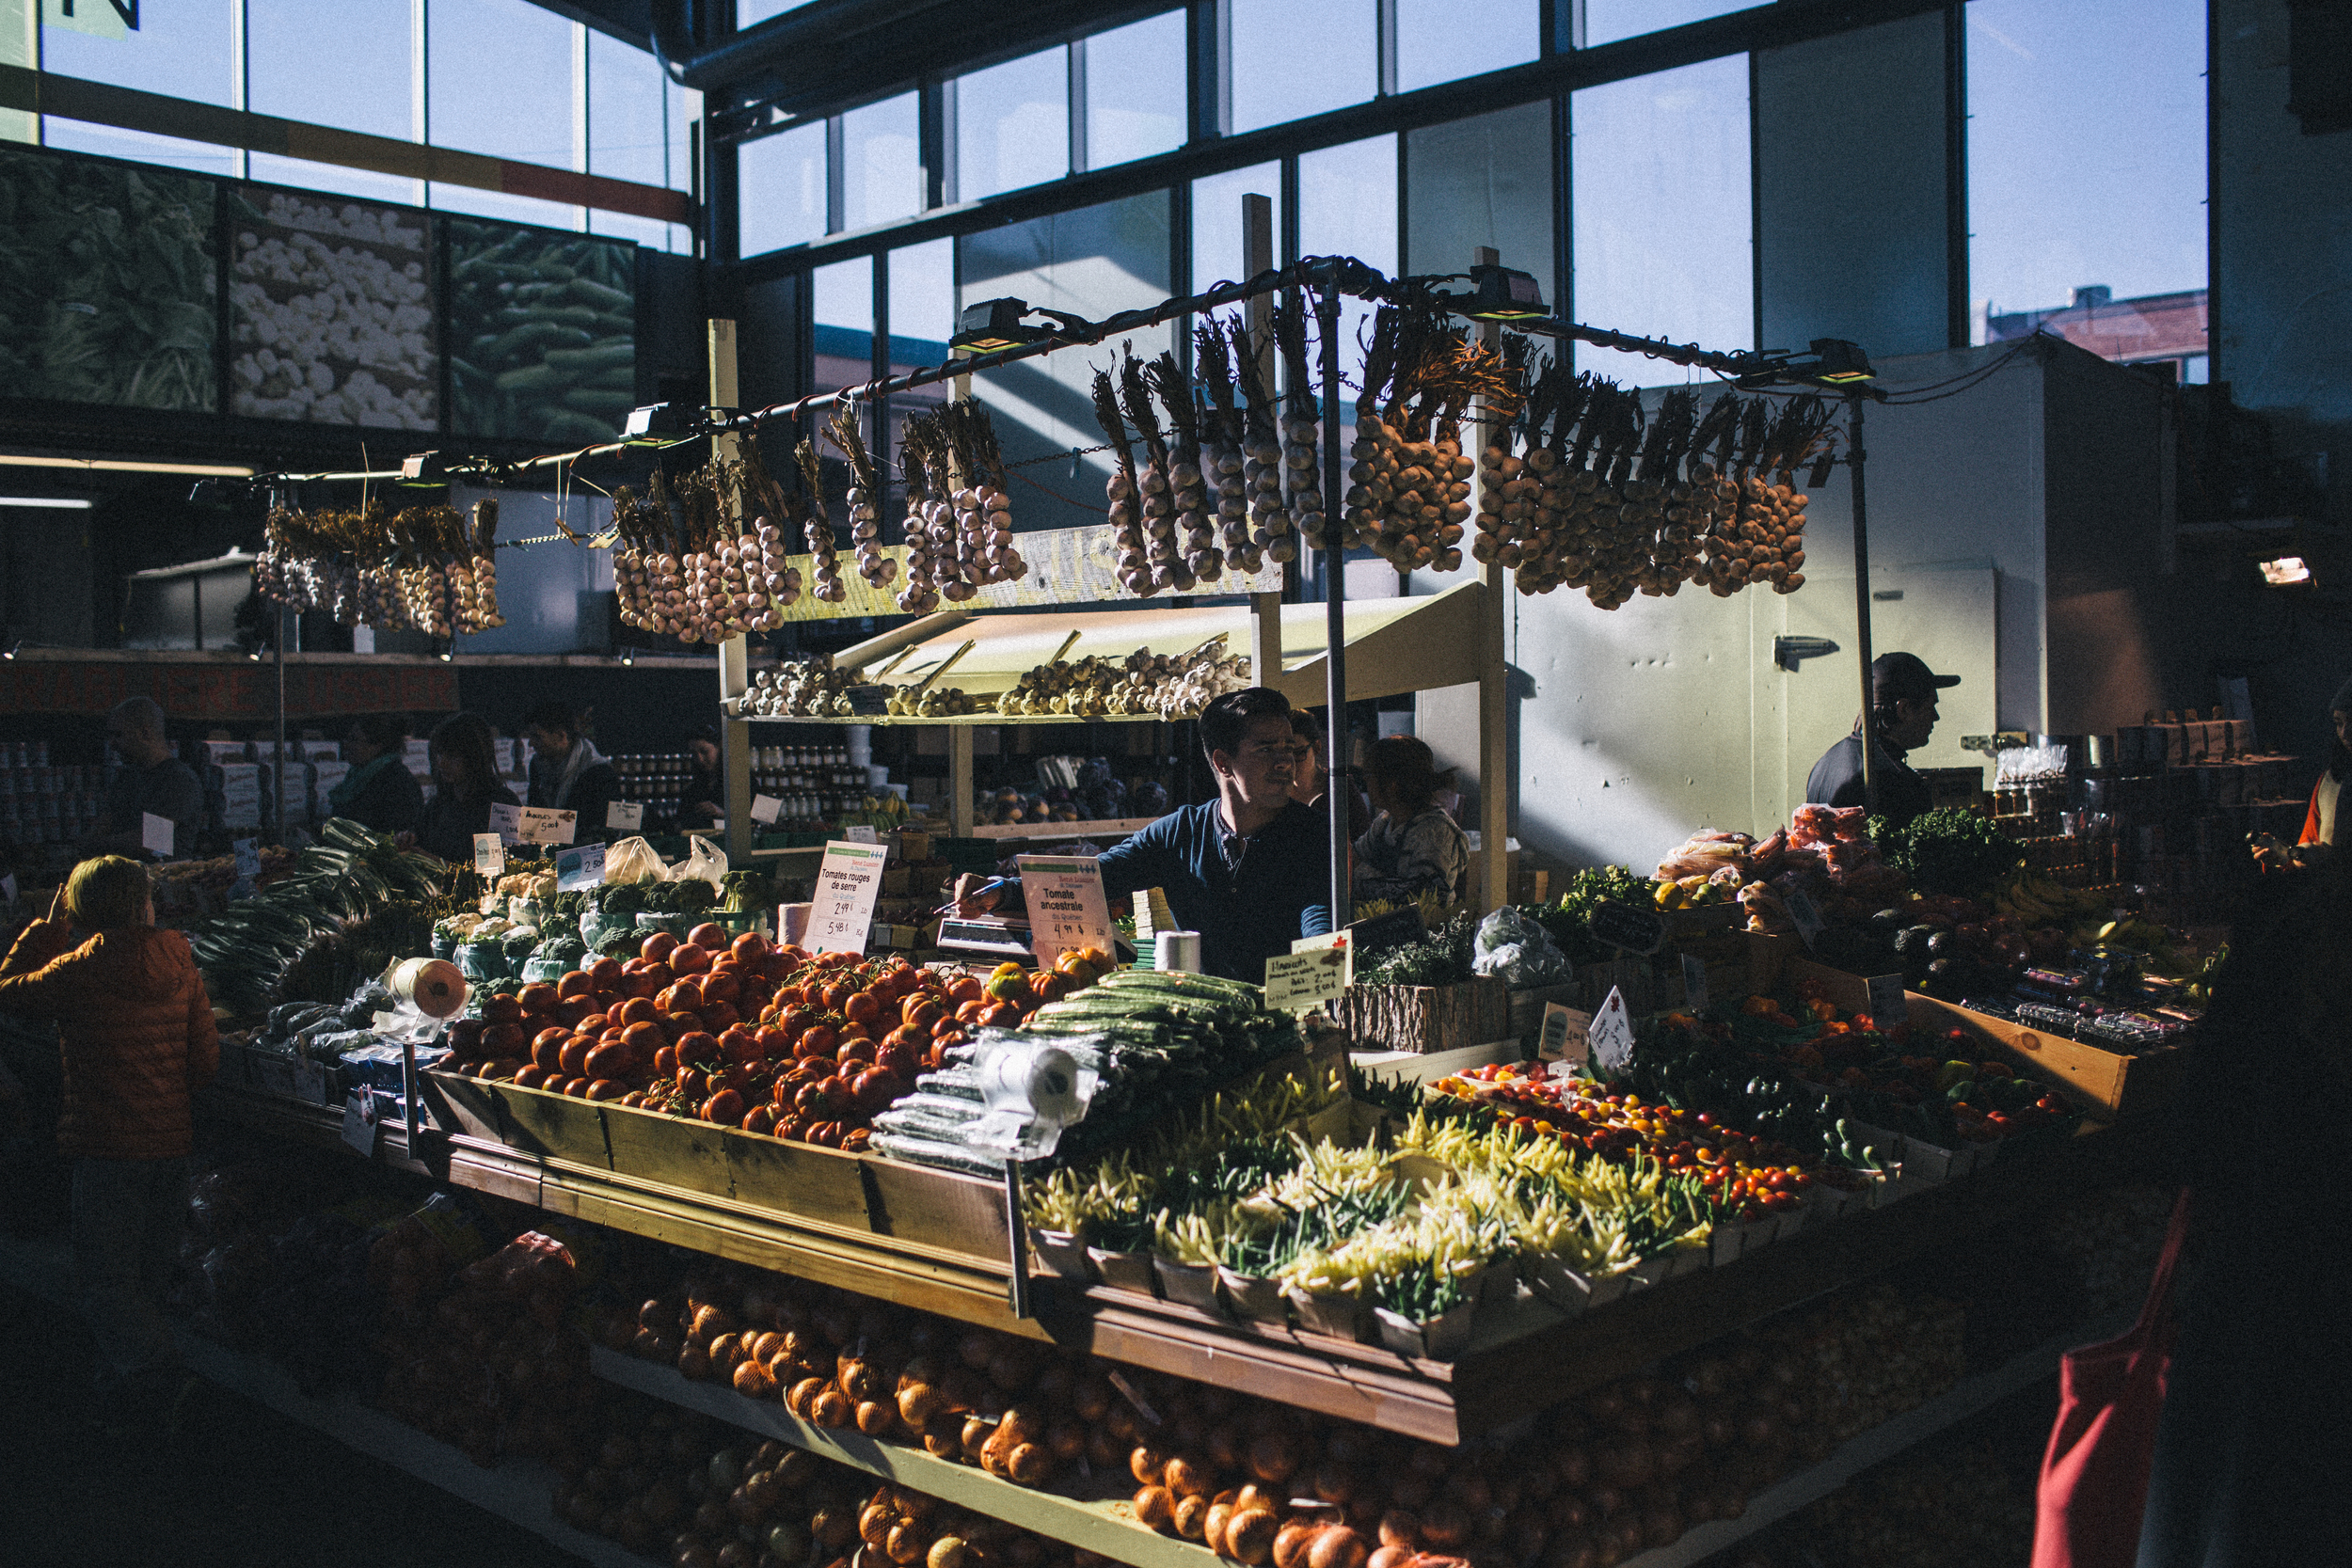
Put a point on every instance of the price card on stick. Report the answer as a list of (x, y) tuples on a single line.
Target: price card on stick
[(248, 858), (1067, 909), (627, 815), (1887, 1006), (1295, 981), (362, 1131), (1566, 1033), (1803, 915), (861, 833), (579, 868), (847, 883), (546, 825), (155, 834), (489, 854), (1610, 1037), (765, 808), (507, 823)]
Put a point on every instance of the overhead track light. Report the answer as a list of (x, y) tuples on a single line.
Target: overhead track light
[(1502, 294)]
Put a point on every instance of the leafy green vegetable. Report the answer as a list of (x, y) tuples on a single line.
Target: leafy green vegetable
[(1440, 958), (1569, 921), (108, 291), (1948, 851)]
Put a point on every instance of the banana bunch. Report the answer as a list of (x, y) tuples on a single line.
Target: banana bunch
[(2034, 900)]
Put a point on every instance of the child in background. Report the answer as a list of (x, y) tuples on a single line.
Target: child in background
[(1412, 845), (138, 1041)]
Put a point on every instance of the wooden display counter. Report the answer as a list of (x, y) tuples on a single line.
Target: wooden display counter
[(1520, 1361)]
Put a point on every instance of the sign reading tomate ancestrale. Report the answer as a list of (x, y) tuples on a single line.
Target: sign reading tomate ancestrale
[(1067, 909), (847, 884)]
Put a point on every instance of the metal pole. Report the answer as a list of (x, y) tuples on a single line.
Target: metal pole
[(1334, 603), (277, 771), (1855, 400)]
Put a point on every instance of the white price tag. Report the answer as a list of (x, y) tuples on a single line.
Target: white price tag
[(1887, 1006), (579, 868), (310, 1082), (507, 822), (1564, 1034), (8, 888), (1066, 910), (1695, 984), (1297, 981), (546, 825), (627, 815), (847, 883), (489, 854), (361, 1131), (1610, 1037), (1807, 919), (155, 834), (248, 858), (765, 808), (860, 834)]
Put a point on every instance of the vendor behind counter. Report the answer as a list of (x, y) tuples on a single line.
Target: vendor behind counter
[(1250, 870)]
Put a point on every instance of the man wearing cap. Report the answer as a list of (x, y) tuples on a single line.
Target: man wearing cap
[(1902, 703)]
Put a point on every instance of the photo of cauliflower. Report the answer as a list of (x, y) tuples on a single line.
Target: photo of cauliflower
[(333, 312)]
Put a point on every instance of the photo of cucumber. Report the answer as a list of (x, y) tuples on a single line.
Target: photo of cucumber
[(542, 334)]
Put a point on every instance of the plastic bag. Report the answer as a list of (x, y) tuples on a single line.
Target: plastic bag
[(632, 860), (1519, 951), (705, 859)]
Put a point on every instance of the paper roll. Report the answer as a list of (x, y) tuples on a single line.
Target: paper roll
[(432, 987), (1177, 950)]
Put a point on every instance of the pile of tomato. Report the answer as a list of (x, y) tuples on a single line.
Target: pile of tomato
[(1748, 1175), (742, 1033)]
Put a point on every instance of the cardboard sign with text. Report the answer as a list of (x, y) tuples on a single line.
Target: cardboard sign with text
[(847, 883), (1296, 980), (507, 822), (1067, 909), (546, 825)]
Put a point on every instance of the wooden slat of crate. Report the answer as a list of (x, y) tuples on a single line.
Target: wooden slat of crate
[(2108, 1080), (1426, 1018)]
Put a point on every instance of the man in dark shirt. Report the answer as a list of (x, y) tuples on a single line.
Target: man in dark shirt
[(568, 773), (152, 782), (1250, 870), (1902, 700)]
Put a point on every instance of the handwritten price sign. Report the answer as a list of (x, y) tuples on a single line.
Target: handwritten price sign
[(1066, 910), (847, 883)]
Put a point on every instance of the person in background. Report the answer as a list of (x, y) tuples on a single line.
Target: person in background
[(1250, 870), (1413, 846), (465, 786), (2324, 823), (138, 1041), (567, 772), (1902, 703), (152, 782), (379, 792), (707, 787), (1311, 786)]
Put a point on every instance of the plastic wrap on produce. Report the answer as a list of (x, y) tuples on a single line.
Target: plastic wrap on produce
[(541, 333), (332, 312)]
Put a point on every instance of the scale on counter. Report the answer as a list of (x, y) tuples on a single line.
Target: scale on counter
[(993, 935)]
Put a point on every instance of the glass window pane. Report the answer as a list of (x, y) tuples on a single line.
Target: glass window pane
[(297, 59), (1013, 125), (1095, 263), (1291, 58), (2106, 244), (197, 157), (922, 319), (1347, 207), (652, 233), (780, 182), (500, 81), (882, 163), (627, 139), (1607, 21), (1660, 182), (844, 311), (1136, 90), (751, 13), (334, 178), (446, 198), (182, 50), (1444, 40), (1217, 238), (1481, 182), (686, 107)]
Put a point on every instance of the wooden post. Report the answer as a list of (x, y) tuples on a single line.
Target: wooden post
[(1494, 719), (1257, 255), (735, 654), (961, 815)]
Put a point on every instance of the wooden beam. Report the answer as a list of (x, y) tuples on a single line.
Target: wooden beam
[(43, 92)]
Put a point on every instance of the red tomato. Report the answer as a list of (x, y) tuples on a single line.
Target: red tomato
[(857, 1048), (964, 987), (665, 1062), (863, 1007), (576, 1087), (675, 1024), (774, 1041), (604, 1061), (546, 1043), (644, 983), (921, 1012), (725, 1107), (720, 1015), (709, 936), (684, 997), (604, 973), (575, 1009), (720, 985), (900, 1057), (740, 1044), (536, 998), (644, 1039), (501, 1009), (577, 983), (818, 1039), (658, 947), (750, 948), (700, 1045), (694, 1083), (760, 1119), (690, 960), (606, 1088), (636, 1009), (1002, 1016)]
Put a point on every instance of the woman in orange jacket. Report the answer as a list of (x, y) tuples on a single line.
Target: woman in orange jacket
[(138, 1041), (2323, 822)]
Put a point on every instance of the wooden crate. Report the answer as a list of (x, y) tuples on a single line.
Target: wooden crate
[(1848, 994), (552, 1125), (1527, 1010), (1426, 1018), (2105, 1081), (1634, 977)]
